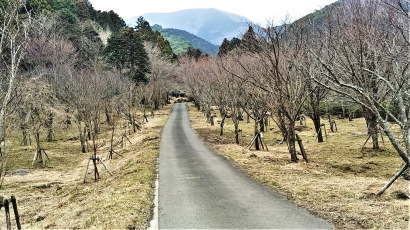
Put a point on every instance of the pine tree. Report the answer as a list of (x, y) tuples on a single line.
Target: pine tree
[(125, 51)]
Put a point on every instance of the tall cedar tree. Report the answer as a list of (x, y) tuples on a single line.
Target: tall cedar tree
[(125, 50), (147, 34), (227, 46)]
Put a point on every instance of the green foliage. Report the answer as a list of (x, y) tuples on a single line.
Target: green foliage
[(227, 46), (336, 109), (39, 6), (125, 50), (109, 19), (180, 41), (178, 45), (195, 53), (145, 31), (66, 9)]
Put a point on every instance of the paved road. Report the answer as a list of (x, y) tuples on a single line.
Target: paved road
[(199, 189)]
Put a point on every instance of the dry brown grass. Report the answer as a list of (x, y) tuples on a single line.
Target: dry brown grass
[(338, 183), (56, 197)]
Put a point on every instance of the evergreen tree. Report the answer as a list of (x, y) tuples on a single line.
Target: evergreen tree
[(224, 48), (249, 41), (109, 20), (148, 34), (125, 51), (227, 46), (195, 53)]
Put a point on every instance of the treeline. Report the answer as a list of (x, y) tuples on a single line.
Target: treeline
[(56, 72), (356, 55)]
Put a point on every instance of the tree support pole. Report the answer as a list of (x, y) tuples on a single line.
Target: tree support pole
[(392, 180)]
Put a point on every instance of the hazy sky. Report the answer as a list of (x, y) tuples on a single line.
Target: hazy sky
[(258, 11)]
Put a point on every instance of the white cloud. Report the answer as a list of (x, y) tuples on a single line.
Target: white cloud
[(259, 11)]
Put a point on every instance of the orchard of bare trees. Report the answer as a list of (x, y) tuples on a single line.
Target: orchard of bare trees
[(357, 55), (51, 79)]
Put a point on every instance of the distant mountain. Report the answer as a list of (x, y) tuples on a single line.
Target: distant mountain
[(181, 40), (210, 24)]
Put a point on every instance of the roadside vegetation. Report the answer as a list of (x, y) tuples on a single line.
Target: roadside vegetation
[(57, 197), (318, 109), (83, 99), (338, 183)]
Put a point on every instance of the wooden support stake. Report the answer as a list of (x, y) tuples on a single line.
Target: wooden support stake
[(263, 144), (302, 148), (104, 166), (368, 138), (96, 174), (7, 212), (253, 140), (16, 212), (86, 170)]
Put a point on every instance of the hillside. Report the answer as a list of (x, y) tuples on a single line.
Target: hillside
[(210, 24), (319, 16), (181, 40)]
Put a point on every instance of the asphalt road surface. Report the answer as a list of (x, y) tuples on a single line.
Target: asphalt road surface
[(199, 189)]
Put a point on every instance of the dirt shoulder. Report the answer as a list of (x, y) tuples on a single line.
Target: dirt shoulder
[(56, 197), (337, 184)]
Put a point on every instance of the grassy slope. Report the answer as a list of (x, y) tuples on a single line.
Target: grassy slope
[(178, 45), (58, 195), (338, 182), (196, 41), (181, 40)]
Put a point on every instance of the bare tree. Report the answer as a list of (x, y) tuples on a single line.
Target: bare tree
[(162, 72), (268, 61), (368, 62), (14, 37), (39, 100)]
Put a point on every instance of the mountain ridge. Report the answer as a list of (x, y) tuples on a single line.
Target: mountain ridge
[(181, 40), (210, 24)]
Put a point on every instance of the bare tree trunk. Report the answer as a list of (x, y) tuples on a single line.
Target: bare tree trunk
[(82, 139), (291, 138), (222, 125), (38, 156), (280, 122), (236, 126), (145, 115), (26, 139), (49, 126), (156, 104), (96, 126), (94, 159), (197, 105), (262, 125), (25, 131), (372, 128), (257, 139), (108, 116), (317, 123), (315, 116)]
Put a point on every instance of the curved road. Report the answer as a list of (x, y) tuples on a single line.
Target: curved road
[(200, 189)]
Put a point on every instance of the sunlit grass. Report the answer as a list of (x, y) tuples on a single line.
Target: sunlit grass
[(339, 179), (56, 197)]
